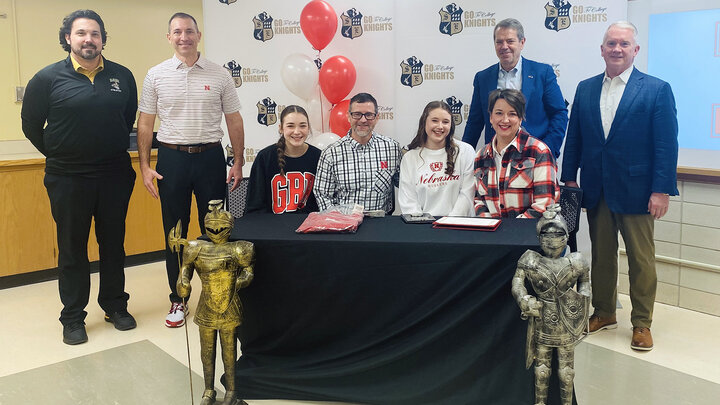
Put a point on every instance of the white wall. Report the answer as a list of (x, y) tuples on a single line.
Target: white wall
[(687, 244)]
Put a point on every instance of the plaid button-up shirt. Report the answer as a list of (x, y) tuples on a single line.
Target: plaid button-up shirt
[(350, 172), (527, 182)]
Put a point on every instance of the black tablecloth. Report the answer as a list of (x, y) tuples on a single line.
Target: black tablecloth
[(394, 314)]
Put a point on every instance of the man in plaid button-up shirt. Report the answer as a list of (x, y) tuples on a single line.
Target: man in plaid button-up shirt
[(526, 184), (360, 168)]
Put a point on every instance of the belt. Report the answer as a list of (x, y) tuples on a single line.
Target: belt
[(191, 148)]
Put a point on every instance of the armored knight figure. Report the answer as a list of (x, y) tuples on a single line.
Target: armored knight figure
[(558, 314), (224, 268)]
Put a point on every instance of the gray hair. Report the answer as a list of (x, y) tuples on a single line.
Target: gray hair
[(512, 24), (622, 24)]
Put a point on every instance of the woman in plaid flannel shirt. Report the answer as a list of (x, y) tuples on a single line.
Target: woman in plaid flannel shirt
[(516, 174)]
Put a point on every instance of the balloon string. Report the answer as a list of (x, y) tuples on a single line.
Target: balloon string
[(322, 115), (322, 112)]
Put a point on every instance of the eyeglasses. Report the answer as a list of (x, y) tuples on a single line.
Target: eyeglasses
[(368, 115)]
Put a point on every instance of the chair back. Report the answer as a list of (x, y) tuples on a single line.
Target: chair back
[(391, 209), (236, 200), (570, 202)]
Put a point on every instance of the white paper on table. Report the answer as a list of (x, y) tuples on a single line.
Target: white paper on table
[(468, 221)]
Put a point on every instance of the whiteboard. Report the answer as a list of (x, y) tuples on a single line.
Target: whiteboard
[(680, 43)]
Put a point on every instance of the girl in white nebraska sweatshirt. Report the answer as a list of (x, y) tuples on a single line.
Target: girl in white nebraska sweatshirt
[(436, 174)]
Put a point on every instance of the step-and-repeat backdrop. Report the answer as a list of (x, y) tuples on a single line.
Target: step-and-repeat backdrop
[(405, 53)]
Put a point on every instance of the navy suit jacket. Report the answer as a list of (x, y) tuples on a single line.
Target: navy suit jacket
[(640, 154), (546, 116)]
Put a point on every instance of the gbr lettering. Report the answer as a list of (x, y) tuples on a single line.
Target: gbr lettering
[(290, 192)]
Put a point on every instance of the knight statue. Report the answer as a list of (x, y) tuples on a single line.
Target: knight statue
[(224, 268), (558, 313)]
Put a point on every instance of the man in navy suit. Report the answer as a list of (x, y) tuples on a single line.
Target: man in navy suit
[(623, 136), (546, 115)]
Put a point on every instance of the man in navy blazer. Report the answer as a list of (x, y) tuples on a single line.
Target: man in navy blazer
[(546, 115), (623, 136)]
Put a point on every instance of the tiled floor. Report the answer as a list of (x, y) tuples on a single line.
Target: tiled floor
[(136, 373), (36, 367)]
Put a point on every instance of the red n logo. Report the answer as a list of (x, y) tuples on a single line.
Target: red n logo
[(207, 87), (383, 165)]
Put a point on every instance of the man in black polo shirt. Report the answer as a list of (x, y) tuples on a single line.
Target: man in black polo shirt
[(79, 112)]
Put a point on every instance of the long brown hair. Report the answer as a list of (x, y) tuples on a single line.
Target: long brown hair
[(281, 142), (421, 136)]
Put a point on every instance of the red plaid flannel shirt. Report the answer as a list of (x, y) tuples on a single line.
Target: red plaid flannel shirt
[(528, 180)]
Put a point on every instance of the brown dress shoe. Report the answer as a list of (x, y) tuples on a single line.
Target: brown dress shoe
[(598, 323), (641, 339)]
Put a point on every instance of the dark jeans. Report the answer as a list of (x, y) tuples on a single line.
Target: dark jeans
[(184, 174), (74, 201)]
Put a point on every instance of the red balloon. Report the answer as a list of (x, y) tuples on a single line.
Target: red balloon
[(337, 78), (339, 123), (318, 23)]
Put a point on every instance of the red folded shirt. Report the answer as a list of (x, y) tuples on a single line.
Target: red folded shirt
[(330, 222)]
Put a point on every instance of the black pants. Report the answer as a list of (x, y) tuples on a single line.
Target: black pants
[(184, 174), (74, 201)]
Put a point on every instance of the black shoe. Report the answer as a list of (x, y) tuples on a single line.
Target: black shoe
[(74, 333), (122, 320)]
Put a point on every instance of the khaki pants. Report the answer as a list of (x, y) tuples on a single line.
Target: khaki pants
[(637, 232)]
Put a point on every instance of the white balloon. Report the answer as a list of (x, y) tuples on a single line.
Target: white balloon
[(322, 140), (300, 75)]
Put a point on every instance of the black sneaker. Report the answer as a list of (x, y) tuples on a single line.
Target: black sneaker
[(122, 320), (74, 333)]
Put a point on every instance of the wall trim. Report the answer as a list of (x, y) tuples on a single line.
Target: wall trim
[(33, 277), (682, 262)]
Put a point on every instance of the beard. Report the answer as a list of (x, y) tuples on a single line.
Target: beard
[(88, 52), (363, 132)]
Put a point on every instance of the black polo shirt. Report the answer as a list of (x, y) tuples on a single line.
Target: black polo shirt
[(88, 124)]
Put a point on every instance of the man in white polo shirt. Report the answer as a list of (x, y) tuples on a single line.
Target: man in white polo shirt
[(190, 95)]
